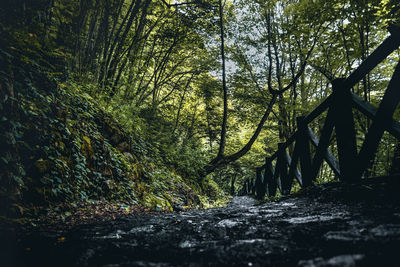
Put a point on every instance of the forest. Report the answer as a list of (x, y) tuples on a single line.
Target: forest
[(170, 105)]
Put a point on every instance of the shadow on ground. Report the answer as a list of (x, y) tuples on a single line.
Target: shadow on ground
[(330, 225)]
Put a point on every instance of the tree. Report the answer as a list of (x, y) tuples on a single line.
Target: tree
[(274, 60)]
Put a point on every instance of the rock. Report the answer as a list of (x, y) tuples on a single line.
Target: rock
[(314, 234)]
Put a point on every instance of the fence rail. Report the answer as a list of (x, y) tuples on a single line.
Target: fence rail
[(350, 166)]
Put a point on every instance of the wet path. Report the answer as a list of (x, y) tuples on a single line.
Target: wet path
[(292, 232)]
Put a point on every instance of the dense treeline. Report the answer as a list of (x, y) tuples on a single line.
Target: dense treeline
[(207, 83)]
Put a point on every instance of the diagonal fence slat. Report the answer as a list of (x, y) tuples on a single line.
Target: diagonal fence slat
[(381, 121), (293, 170), (329, 157), (339, 104), (387, 47), (370, 111)]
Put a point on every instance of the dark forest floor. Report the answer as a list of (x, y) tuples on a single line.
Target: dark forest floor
[(328, 225)]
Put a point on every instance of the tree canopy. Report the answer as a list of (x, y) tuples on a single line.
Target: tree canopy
[(211, 85)]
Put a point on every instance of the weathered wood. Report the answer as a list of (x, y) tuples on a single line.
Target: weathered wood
[(285, 145), (277, 178), (304, 151), (370, 111), (284, 178), (253, 186), (322, 146), (297, 173), (383, 120), (287, 185), (269, 178), (329, 157), (345, 130), (260, 184), (340, 117), (293, 170)]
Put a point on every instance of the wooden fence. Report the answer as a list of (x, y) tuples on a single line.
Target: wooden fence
[(281, 169)]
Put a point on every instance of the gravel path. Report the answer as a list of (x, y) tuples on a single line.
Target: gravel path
[(298, 231)]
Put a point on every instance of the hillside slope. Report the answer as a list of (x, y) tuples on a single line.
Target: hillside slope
[(59, 146)]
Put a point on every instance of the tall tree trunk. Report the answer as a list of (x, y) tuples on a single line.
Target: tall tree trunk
[(220, 159), (222, 143)]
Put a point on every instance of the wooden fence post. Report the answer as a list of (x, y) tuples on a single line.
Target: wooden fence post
[(269, 178), (382, 121), (260, 184), (345, 131), (304, 151), (283, 170)]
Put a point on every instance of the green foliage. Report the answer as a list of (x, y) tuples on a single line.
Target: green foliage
[(59, 146), (116, 99)]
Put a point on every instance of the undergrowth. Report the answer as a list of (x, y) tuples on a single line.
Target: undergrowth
[(59, 144)]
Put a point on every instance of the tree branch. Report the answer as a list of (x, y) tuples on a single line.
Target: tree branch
[(179, 4)]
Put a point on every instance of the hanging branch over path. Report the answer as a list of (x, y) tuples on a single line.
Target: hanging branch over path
[(220, 159)]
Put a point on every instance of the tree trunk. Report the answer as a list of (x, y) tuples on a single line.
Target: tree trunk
[(222, 161), (224, 89)]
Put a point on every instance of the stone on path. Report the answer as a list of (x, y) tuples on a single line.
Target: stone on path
[(299, 231)]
